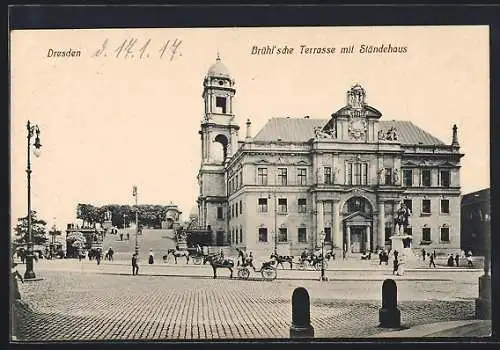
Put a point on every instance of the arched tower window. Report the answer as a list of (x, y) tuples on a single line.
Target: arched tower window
[(222, 142)]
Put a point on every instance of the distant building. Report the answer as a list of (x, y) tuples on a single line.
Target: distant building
[(476, 221), (345, 176)]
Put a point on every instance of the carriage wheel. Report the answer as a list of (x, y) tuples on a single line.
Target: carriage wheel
[(326, 264), (243, 273), (302, 265), (269, 273), (317, 266), (197, 260)]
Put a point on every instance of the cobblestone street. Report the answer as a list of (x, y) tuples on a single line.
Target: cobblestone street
[(110, 304)]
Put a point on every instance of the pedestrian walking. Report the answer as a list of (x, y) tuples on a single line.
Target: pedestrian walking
[(121, 236), (151, 257), (128, 236), (457, 259), (98, 256), (79, 252), (395, 265), (423, 254), (135, 265), (431, 260), (434, 254)]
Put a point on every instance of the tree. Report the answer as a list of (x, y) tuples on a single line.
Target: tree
[(38, 233)]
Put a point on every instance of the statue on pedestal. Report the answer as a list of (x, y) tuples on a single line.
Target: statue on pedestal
[(401, 220)]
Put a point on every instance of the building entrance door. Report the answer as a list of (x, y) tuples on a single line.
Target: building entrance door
[(219, 239), (358, 239)]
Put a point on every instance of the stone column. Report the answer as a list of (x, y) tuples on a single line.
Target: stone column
[(381, 225), (368, 232), (336, 225), (348, 239), (321, 223)]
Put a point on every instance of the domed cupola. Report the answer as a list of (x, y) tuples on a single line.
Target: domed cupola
[(218, 70)]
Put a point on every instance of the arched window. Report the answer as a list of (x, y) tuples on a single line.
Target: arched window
[(357, 204)]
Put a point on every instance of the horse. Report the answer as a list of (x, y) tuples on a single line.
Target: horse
[(216, 261), (176, 254), (280, 259)]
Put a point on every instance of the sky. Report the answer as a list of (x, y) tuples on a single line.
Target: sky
[(110, 121)]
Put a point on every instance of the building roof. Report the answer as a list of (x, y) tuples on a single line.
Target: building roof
[(476, 197), (219, 69), (302, 130)]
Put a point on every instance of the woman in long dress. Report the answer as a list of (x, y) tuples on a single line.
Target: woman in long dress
[(401, 266), (151, 257)]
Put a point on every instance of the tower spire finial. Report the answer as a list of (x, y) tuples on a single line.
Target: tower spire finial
[(218, 55)]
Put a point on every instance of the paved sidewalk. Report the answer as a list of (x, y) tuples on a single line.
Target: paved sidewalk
[(464, 328)]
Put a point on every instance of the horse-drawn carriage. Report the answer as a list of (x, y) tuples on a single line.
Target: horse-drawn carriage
[(267, 271)]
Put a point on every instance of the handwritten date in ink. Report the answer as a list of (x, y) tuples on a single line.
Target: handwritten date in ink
[(133, 48)]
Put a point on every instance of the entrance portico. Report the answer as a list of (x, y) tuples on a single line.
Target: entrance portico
[(358, 233)]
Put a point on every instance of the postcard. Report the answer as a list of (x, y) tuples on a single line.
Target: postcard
[(180, 184)]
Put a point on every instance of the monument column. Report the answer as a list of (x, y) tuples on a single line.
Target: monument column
[(337, 229), (321, 224), (381, 225)]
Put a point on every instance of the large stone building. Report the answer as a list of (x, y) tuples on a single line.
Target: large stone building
[(476, 222), (345, 176)]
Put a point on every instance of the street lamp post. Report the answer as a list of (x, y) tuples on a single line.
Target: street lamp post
[(136, 222), (322, 237), (275, 236), (32, 130)]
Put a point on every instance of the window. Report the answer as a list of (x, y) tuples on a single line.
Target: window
[(232, 236), (409, 204), (445, 206), (388, 233), (262, 176), (388, 176), (408, 231), (328, 234), (407, 178), (236, 211), (232, 211), (241, 234), (426, 234), (445, 178), (237, 182), (220, 104), (328, 175), (301, 177), (426, 206), (282, 176), (241, 178), (220, 213), (302, 204), (445, 234), (263, 234), (282, 205), (302, 235), (282, 236), (426, 178), (263, 205), (357, 173), (241, 207)]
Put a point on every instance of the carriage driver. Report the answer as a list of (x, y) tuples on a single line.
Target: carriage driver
[(198, 249)]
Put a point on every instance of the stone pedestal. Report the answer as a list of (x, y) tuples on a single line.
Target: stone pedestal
[(397, 244)]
